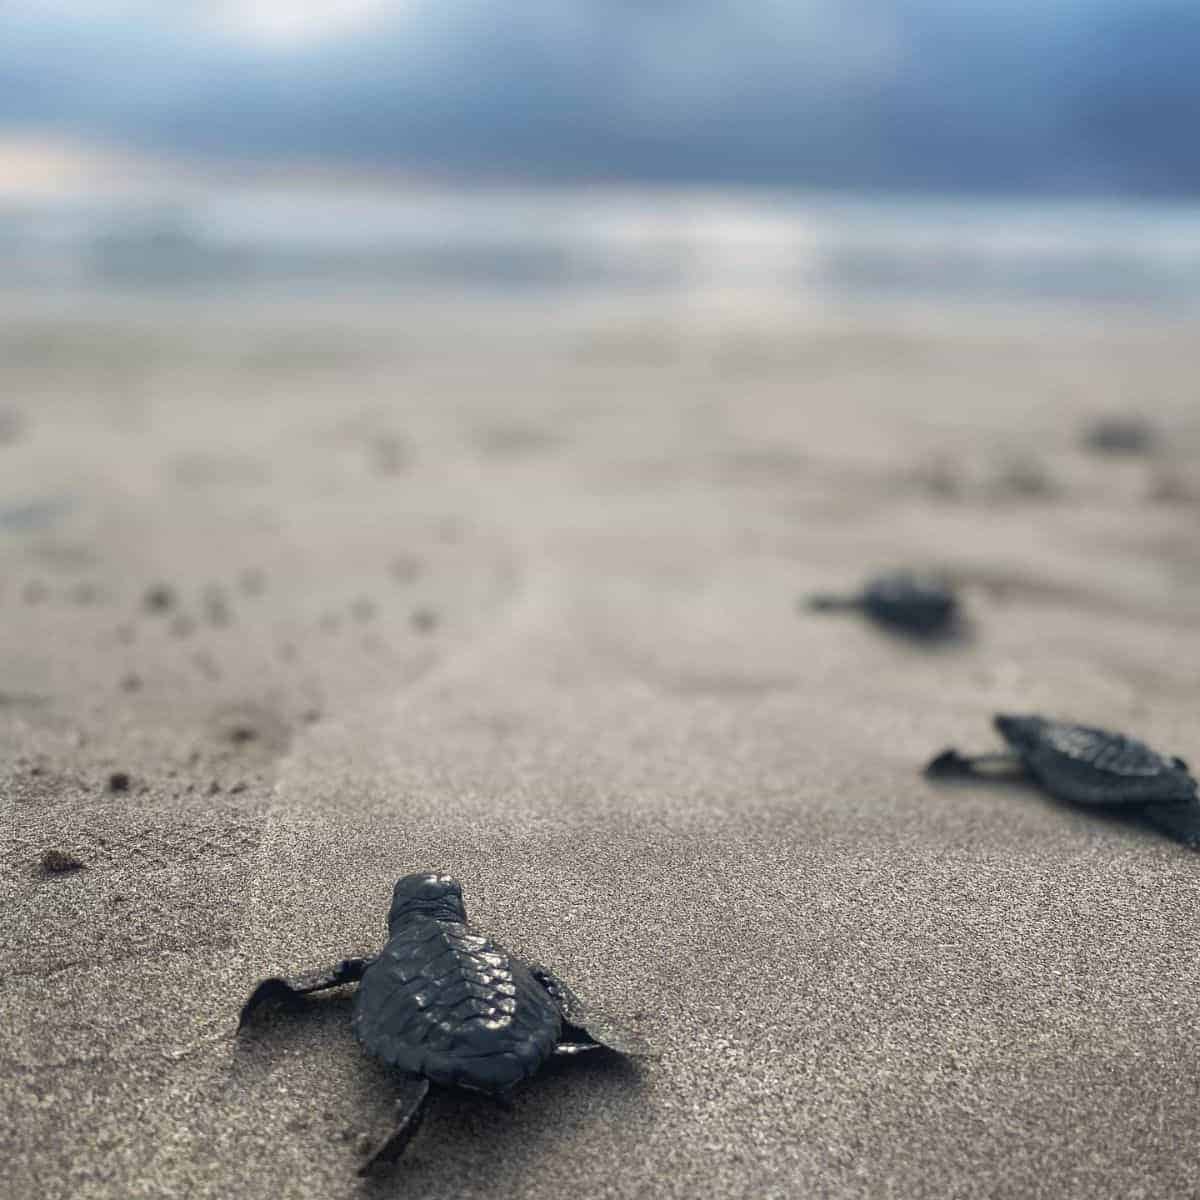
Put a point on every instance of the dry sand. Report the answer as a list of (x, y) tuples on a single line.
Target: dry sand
[(515, 597)]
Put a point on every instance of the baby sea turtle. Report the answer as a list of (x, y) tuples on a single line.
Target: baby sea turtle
[(445, 1004), (904, 600), (1092, 767), (1120, 434)]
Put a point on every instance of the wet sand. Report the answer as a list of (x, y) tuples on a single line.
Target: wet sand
[(514, 595)]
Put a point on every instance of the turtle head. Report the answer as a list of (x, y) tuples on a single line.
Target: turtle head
[(430, 894), (1019, 732)]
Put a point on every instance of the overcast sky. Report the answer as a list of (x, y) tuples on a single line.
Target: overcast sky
[(992, 94)]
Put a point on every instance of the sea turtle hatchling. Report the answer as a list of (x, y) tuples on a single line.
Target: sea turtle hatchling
[(445, 1004), (904, 600), (1092, 767)]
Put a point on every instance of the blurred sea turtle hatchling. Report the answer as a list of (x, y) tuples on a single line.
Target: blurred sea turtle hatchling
[(1092, 767), (447, 1005), (908, 601), (1120, 434)]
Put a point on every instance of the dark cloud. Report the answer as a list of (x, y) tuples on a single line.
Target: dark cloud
[(901, 93)]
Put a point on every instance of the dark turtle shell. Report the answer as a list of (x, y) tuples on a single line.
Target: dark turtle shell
[(1095, 766), (444, 1001), (906, 600)]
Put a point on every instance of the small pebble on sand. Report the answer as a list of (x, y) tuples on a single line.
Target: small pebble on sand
[(182, 626), (389, 454), (252, 581), (216, 608), (424, 620), (158, 598), (11, 426), (59, 862), (406, 568)]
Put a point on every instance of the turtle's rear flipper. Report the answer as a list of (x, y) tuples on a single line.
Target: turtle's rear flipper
[(585, 1028), (277, 989), (950, 764), (410, 1112), (1180, 821)]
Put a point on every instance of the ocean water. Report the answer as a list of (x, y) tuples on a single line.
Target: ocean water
[(677, 243)]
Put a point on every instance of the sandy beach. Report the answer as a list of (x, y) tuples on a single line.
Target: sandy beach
[(512, 592)]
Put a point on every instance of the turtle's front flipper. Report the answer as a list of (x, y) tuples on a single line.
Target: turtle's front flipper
[(583, 1028), (349, 970), (410, 1112), (1180, 821), (823, 602), (951, 764)]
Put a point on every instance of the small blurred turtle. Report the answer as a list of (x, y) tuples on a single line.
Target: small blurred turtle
[(1095, 768), (905, 600), (1117, 434)]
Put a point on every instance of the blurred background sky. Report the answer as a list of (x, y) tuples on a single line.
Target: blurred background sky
[(1069, 96), (1017, 100)]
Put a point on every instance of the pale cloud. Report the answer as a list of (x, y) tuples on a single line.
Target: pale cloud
[(43, 165), (301, 22)]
